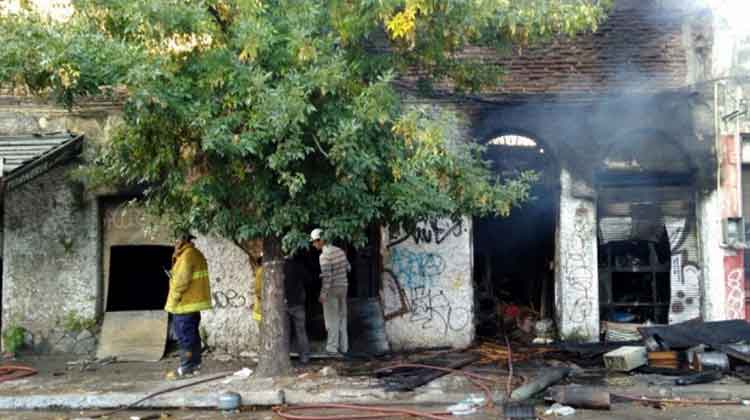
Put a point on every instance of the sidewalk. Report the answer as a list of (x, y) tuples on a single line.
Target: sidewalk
[(119, 384)]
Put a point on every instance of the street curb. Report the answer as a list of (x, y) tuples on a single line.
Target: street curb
[(209, 399), (207, 396), (693, 392), (186, 399)]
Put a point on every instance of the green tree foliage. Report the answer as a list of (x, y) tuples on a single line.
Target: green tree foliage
[(259, 119)]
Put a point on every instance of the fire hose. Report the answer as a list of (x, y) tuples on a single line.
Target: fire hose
[(11, 372)]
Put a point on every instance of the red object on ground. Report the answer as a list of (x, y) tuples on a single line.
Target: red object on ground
[(511, 311), (11, 372)]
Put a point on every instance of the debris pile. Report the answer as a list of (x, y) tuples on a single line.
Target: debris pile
[(697, 346), (500, 353)]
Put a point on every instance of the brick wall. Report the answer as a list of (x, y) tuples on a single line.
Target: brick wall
[(635, 48), (643, 47)]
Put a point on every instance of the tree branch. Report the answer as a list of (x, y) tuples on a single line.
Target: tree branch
[(217, 17)]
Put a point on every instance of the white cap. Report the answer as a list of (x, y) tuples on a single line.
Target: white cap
[(316, 234)]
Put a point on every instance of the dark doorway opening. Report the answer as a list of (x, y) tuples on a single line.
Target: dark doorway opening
[(514, 255), (138, 279), (634, 280), (363, 295)]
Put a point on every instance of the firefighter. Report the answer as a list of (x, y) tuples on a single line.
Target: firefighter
[(189, 293)]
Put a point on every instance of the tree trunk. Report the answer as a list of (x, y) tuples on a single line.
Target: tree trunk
[(274, 326)]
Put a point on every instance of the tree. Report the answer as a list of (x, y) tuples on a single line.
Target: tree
[(254, 119)]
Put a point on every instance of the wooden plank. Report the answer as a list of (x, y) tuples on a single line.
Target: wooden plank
[(134, 336)]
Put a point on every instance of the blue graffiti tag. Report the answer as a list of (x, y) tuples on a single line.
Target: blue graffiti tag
[(416, 269)]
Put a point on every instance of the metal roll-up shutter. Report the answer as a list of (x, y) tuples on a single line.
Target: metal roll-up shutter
[(646, 213), (632, 213)]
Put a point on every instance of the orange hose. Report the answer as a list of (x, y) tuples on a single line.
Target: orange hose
[(11, 372), (380, 412)]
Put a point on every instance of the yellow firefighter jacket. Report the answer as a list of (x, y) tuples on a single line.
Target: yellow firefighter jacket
[(257, 313), (189, 290)]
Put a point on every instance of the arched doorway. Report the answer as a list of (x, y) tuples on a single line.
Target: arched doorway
[(514, 256)]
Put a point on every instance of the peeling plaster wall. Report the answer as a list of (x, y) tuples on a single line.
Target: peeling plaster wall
[(51, 264), (229, 324), (577, 280), (428, 279)]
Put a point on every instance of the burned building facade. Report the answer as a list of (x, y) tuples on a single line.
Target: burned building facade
[(628, 222)]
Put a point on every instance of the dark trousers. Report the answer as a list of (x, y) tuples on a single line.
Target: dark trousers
[(297, 318), (189, 339)]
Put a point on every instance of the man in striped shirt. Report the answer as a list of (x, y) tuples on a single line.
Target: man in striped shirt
[(334, 268)]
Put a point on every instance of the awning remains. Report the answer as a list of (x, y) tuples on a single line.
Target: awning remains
[(23, 158)]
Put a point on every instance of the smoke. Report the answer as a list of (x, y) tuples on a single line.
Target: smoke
[(733, 14), (732, 37)]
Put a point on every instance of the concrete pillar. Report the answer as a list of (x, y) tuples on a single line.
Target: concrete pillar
[(428, 291), (712, 255), (577, 279), (731, 199)]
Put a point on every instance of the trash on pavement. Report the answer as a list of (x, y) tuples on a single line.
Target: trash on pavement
[(700, 378), (243, 373), (223, 357), (580, 397), (712, 360), (540, 383), (693, 333), (519, 411), (468, 405), (558, 409), (405, 378), (328, 371)]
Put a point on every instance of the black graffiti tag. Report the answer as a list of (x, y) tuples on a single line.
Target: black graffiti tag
[(229, 298), (432, 232), (428, 306)]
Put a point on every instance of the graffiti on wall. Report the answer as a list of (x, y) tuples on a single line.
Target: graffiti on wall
[(431, 308), (124, 217), (416, 269), (731, 207), (427, 306), (228, 298), (685, 291), (734, 283), (436, 232), (392, 296), (578, 276), (414, 286), (685, 275)]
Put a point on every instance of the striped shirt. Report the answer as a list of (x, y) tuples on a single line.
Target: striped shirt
[(333, 268)]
